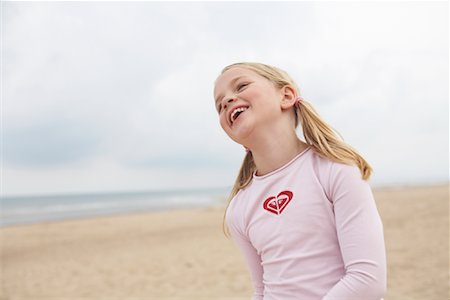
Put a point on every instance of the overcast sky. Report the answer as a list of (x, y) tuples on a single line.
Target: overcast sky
[(117, 96)]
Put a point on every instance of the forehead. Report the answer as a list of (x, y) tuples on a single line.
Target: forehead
[(228, 76)]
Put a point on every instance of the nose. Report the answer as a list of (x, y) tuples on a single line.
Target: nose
[(227, 101)]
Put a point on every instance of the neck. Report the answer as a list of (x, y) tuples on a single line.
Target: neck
[(275, 150)]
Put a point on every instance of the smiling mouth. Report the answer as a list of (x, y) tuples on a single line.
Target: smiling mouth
[(236, 113)]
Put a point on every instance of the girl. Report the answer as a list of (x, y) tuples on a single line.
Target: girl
[(302, 214)]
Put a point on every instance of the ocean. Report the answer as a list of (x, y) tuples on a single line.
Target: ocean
[(16, 210)]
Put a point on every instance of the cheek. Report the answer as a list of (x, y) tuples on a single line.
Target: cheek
[(223, 121), (250, 92), (256, 91)]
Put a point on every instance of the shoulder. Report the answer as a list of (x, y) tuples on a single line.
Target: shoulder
[(333, 168), (330, 170), (337, 176)]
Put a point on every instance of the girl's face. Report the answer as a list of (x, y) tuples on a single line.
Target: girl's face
[(246, 103)]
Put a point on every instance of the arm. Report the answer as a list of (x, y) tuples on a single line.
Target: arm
[(360, 233), (253, 261)]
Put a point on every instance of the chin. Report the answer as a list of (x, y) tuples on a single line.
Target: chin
[(240, 134)]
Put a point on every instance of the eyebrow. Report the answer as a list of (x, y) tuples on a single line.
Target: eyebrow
[(220, 96)]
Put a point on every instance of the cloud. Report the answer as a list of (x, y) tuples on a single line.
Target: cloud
[(125, 89), (50, 143)]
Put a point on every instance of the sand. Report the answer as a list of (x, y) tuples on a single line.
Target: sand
[(183, 254)]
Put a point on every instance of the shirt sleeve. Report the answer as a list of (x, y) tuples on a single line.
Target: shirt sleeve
[(252, 259), (360, 234)]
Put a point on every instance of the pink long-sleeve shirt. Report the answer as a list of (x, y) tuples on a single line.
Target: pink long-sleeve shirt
[(310, 230)]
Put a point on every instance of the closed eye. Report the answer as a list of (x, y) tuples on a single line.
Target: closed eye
[(241, 85)]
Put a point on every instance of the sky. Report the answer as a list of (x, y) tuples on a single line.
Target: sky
[(118, 96)]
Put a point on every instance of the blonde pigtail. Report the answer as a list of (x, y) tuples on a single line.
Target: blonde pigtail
[(243, 179), (326, 141)]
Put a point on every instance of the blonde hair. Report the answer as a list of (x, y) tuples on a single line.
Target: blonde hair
[(318, 134)]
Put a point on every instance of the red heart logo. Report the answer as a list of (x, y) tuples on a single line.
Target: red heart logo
[(277, 204)]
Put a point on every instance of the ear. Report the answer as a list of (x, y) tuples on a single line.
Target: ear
[(289, 97)]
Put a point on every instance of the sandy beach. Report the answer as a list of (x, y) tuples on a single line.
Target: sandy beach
[(183, 254)]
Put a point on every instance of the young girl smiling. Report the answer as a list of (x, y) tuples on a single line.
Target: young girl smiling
[(302, 213)]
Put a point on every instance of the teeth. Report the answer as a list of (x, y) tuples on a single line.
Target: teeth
[(233, 114)]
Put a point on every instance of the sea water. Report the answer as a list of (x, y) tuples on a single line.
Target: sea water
[(34, 209)]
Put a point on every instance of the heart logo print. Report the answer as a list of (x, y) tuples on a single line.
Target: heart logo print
[(277, 204)]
